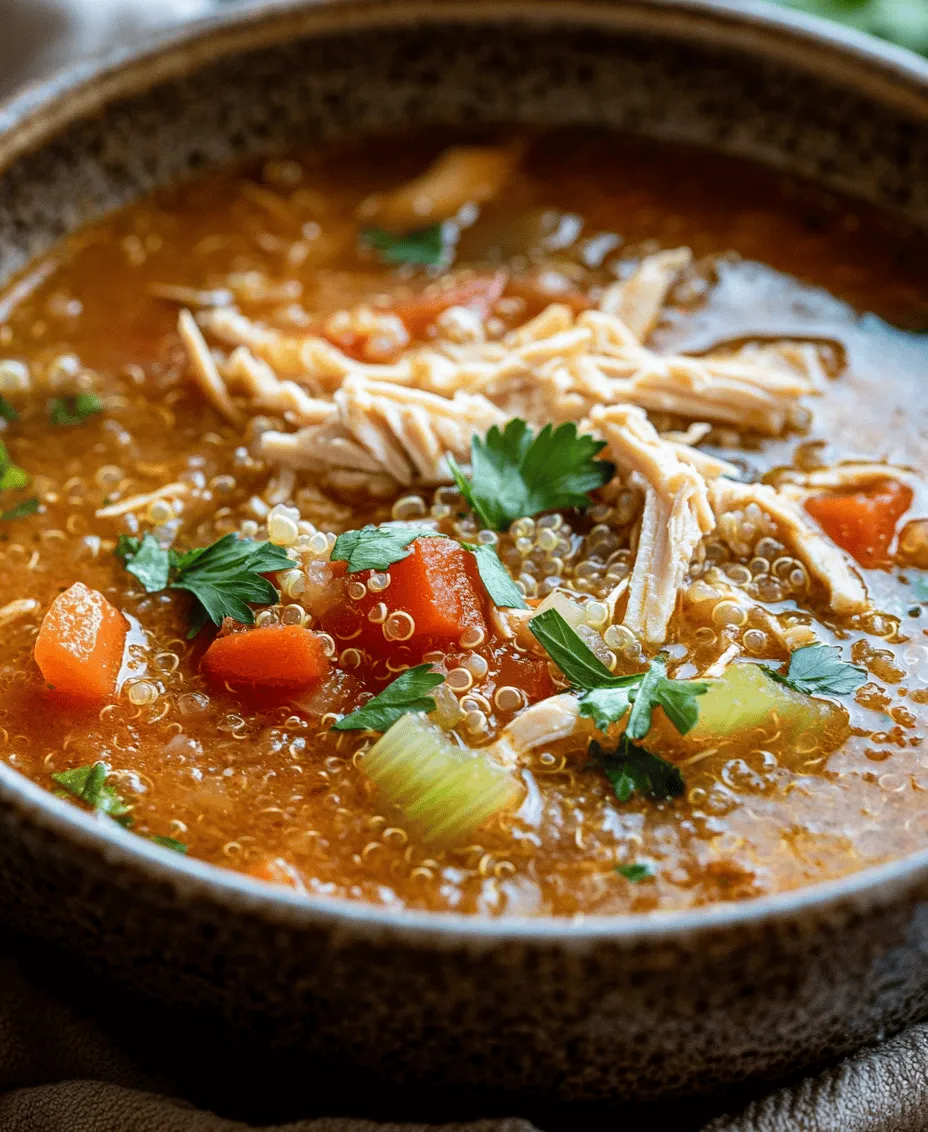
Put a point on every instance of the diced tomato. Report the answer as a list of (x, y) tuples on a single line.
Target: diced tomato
[(437, 585), (477, 294), (863, 522), (80, 645), (274, 663)]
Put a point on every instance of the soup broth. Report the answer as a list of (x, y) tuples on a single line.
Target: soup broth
[(671, 651)]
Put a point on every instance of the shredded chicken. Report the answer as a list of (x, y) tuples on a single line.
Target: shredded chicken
[(824, 560), (204, 368), (376, 430), (676, 516), (639, 300), (460, 175), (13, 610), (139, 502), (841, 477), (545, 722), (260, 383)]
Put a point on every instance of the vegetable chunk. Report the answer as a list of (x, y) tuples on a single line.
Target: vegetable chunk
[(279, 660), (80, 645), (746, 697), (863, 522)]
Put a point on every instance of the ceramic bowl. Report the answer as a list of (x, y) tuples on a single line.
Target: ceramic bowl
[(633, 1007)]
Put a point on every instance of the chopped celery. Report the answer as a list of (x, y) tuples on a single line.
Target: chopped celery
[(444, 792), (745, 698)]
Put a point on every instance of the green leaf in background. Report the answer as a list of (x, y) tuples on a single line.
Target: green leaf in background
[(425, 248), (74, 410), (904, 22)]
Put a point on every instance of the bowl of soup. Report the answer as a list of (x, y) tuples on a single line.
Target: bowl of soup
[(464, 535)]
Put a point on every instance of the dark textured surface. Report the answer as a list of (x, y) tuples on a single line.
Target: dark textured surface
[(570, 1013)]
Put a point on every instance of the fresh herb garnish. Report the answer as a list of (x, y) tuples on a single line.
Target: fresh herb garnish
[(12, 477), (515, 475), (7, 411), (636, 872), (407, 693), (74, 410), (224, 578), (88, 784), (818, 670), (21, 510), (425, 247), (170, 843), (632, 769), (499, 584), (379, 548), (376, 548), (607, 698)]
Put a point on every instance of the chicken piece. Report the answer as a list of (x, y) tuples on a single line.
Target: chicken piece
[(466, 174), (204, 368), (545, 722), (380, 430), (676, 516), (639, 300), (266, 391), (825, 561)]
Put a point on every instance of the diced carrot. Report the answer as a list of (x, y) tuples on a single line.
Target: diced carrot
[(80, 645), (523, 671), (437, 585), (277, 661), (863, 522), (275, 870), (477, 294)]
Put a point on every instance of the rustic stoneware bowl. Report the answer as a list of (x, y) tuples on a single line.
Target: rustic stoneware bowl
[(635, 1007)]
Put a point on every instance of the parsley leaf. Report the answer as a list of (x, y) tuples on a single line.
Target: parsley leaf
[(676, 697), (376, 548), (407, 693), (170, 843), (12, 477), (632, 769), (636, 872), (224, 578), (7, 411), (146, 560), (818, 670), (88, 784), (606, 697), (425, 247), (515, 475), (74, 410), (21, 510), (576, 660), (499, 584)]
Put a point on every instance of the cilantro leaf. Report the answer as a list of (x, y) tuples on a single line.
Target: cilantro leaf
[(576, 660), (376, 548), (88, 784), (499, 584), (7, 411), (818, 670), (74, 410), (12, 477), (21, 510), (515, 475), (636, 872), (425, 247), (170, 843), (676, 697), (632, 769), (147, 561), (224, 578), (227, 576), (407, 693)]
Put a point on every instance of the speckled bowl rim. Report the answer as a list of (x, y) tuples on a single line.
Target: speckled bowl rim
[(889, 75)]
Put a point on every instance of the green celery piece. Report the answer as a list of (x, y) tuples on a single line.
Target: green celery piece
[(745, 697), (443, 792)]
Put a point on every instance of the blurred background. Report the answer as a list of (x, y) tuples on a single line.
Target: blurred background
[(36, 36)]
